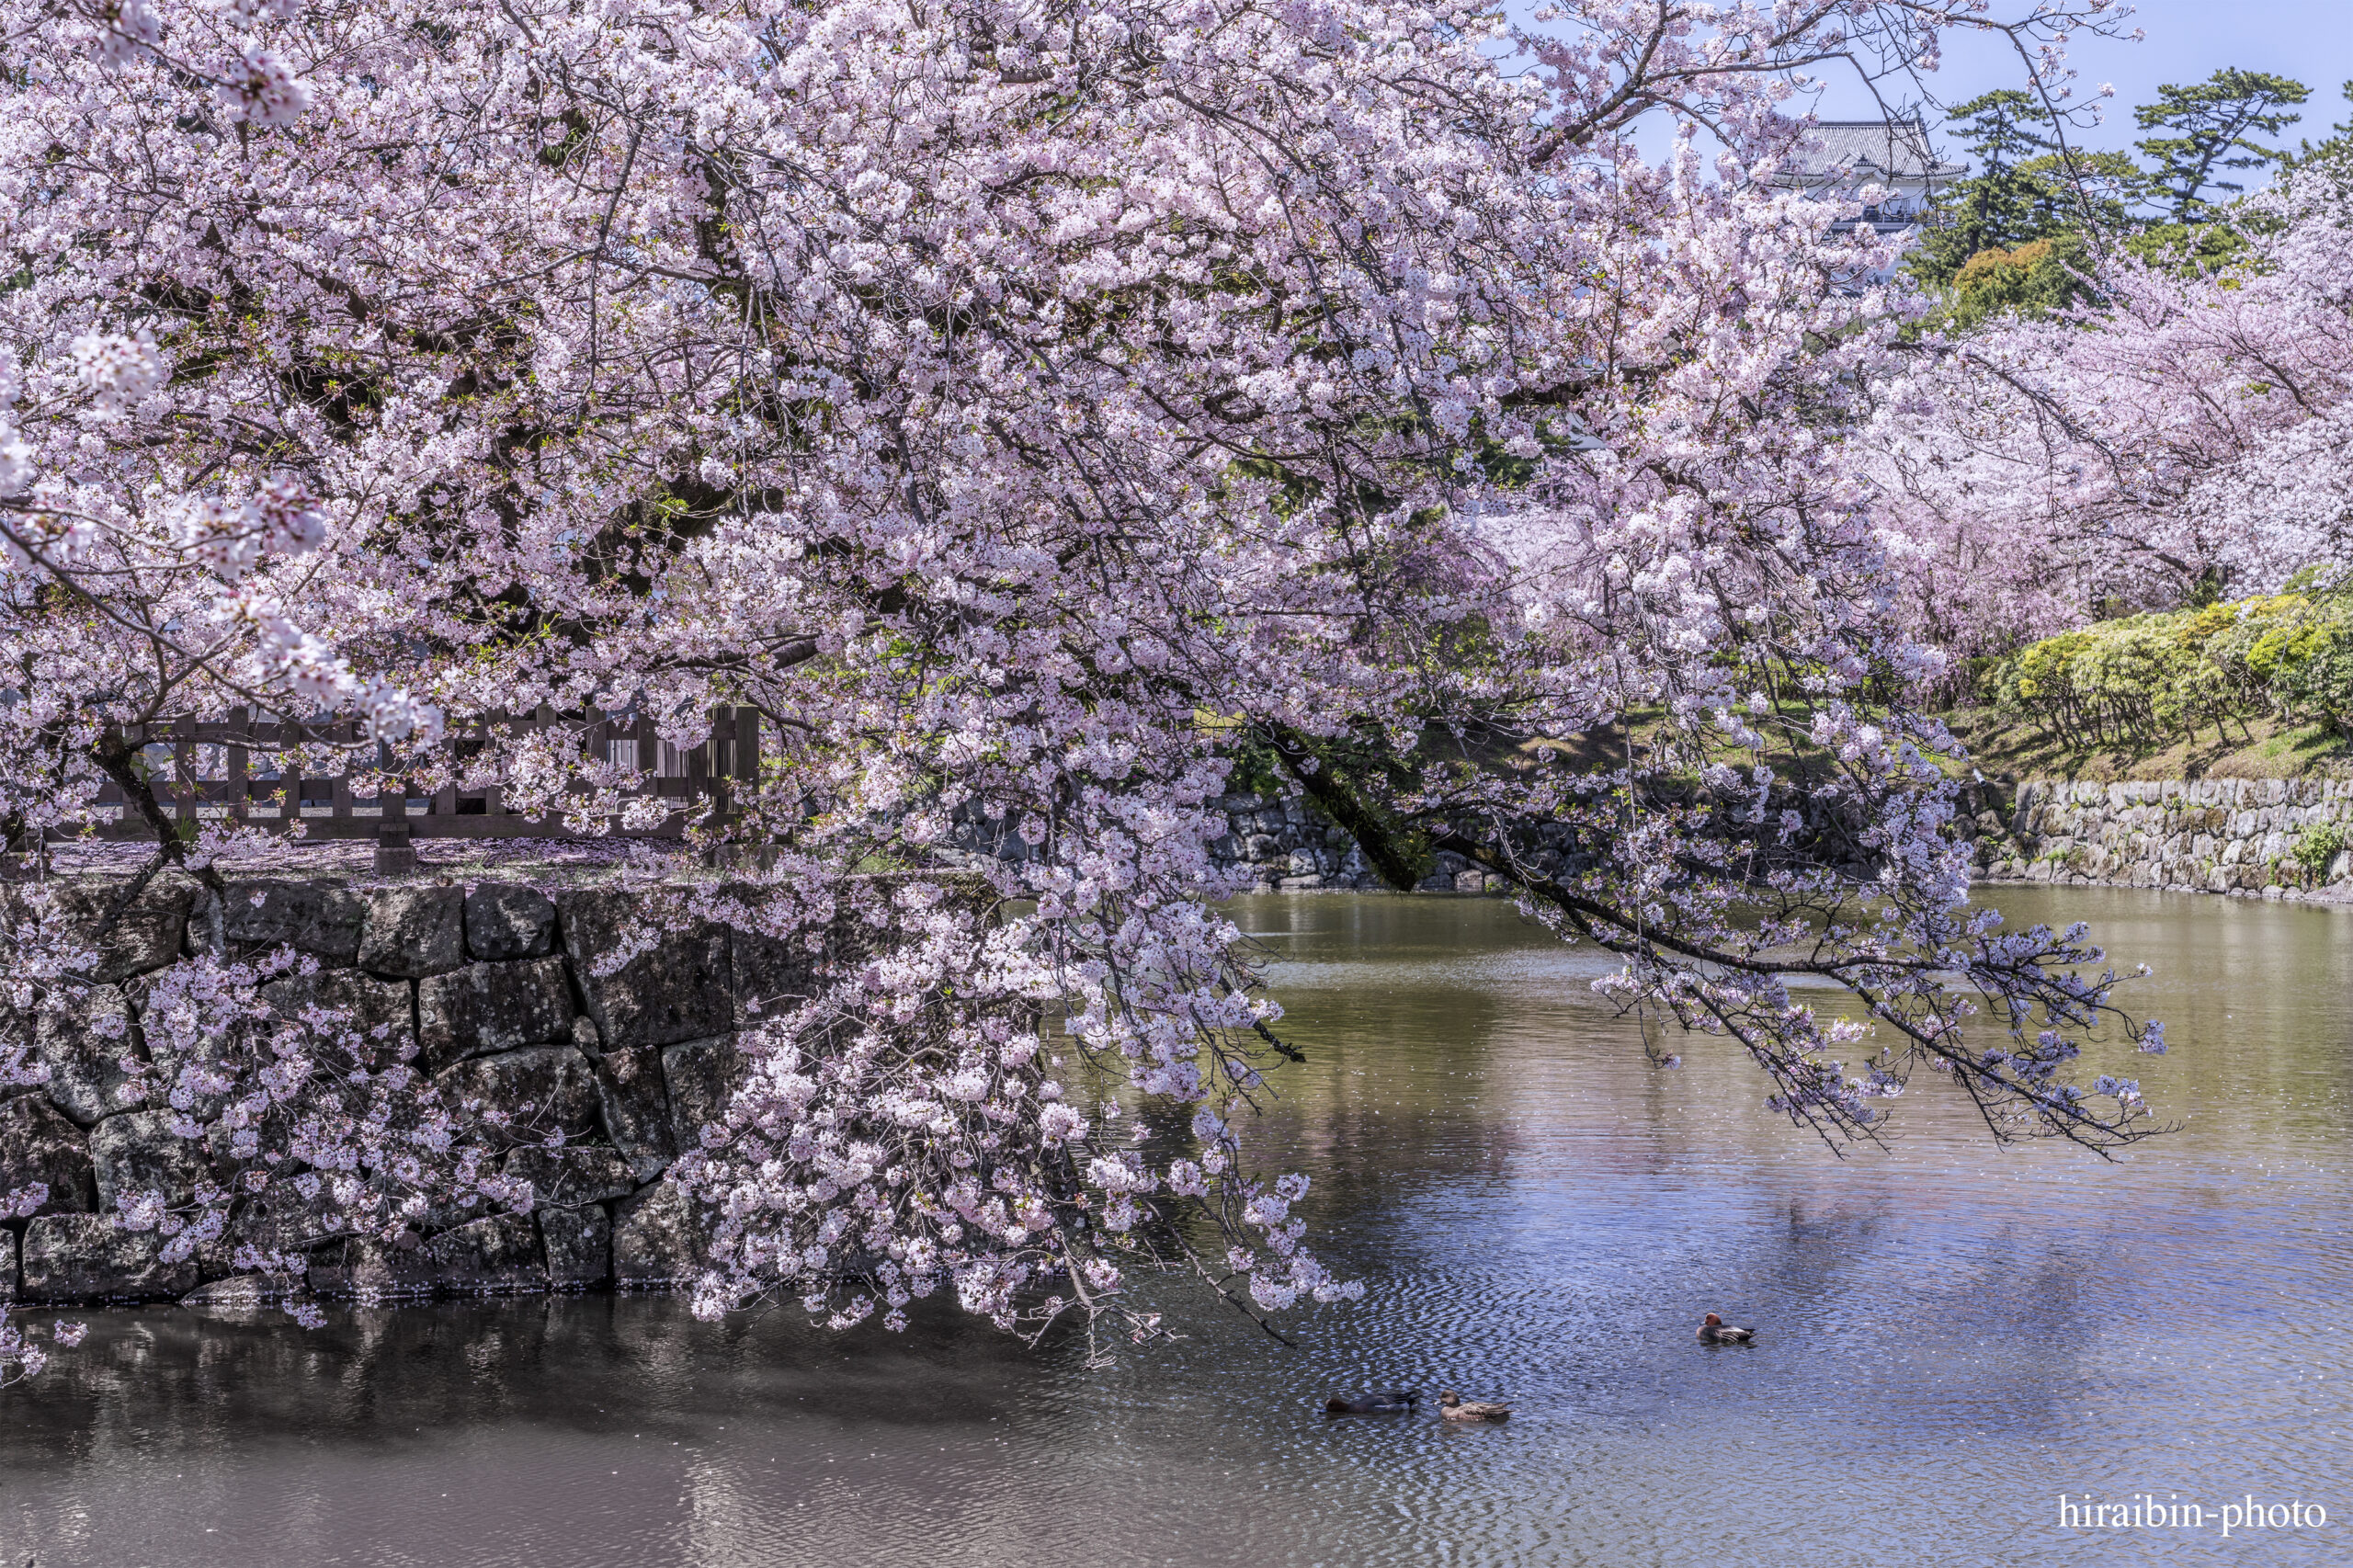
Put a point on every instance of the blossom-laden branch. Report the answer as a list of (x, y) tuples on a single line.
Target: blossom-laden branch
[(1026, 409), (21, 1353)]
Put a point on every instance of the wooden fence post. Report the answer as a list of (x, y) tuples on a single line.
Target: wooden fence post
[(394, 851), (239, 733)]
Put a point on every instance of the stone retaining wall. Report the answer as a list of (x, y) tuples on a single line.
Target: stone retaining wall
[(495, 985), (494, 982), (2234, 836), (1287, 847), (2228, 836)]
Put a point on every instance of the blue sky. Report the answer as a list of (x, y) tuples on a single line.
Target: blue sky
[(2188, 41), (2310, 40)]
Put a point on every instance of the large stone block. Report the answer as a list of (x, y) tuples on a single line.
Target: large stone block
[(39, 1145), (498, 1252), (318, 918), (544, 1088), (8, 1267), (579, 1246), (413, 932), (576, 1174), (634, 1107), (771, 975), (504, 921), (702, 1076), (75, 1260), (679, 988), (237, 1298), (284, 1221), (83, 1043), (487, 1007), (145, 936), (378, 1009), (138, 1152), (656, 1241)]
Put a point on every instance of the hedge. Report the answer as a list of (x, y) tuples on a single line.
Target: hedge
[(2146, 679)]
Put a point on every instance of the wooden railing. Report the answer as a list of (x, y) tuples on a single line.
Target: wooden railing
[(235, 770)]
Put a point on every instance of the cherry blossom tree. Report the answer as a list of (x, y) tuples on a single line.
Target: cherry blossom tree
[(2192, 429), (1034, 409)]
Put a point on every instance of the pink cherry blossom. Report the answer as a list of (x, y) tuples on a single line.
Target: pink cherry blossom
[(2192, 424), (1034, 412)]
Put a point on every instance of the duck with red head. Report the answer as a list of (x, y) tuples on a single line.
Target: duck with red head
[(1715, 1331)]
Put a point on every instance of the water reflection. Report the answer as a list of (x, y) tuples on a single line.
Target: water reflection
[(1952, 1335)]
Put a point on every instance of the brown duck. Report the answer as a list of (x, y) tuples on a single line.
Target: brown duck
[(1385, 1402), (1715, 1331), (1454, 1407)]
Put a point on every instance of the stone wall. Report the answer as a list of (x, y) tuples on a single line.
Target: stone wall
[(494, 983), (2236, 836), (1287, 847), (2229, 836)]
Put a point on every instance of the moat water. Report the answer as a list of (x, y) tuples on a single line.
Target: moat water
[(1954, 1337)]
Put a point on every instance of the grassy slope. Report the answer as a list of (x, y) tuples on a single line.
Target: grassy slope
[(1999, 744)]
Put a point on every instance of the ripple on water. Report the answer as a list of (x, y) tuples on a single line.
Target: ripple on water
[(1951, 1336)]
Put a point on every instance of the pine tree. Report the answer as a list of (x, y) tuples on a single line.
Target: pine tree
[(2337, 147), (2213, 124), (1996, 206), (2078, 189)]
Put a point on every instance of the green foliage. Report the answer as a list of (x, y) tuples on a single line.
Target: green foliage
[(2034, 279), (2145, 679), (1257, 770), (2213, 125), (2028, 191), (2317, 847), (2079, 188), (2337, 147), (2187, 247), (2000, 205)]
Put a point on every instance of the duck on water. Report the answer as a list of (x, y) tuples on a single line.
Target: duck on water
[(1390, 1402), (1715, 1331)]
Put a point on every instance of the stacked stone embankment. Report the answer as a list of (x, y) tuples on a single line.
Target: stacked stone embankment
[(2254, 837), (498, 986), (1287, 847), (2277, 838)]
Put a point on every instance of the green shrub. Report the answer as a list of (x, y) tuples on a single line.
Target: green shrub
[(2317, 847), (2148, 679)]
